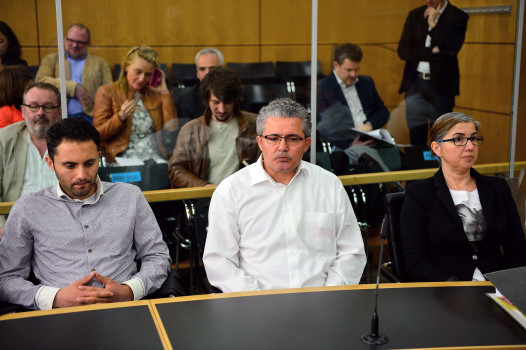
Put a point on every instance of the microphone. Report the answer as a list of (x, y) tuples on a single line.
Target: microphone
[(374, 337)]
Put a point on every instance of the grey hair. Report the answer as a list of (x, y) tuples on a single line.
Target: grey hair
[(447, 121), (208, 51), (284, 108)]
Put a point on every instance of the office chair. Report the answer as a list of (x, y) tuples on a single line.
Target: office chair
[(254, 72), (183, 74), (259, 95), (297, 76), (393, 270), (197, 216), (33, 70)]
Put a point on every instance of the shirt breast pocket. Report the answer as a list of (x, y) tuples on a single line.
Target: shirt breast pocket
[(320, 232)]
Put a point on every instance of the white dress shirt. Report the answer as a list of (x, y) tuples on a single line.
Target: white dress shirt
[(38, 175), (265, 235), (353, 100)]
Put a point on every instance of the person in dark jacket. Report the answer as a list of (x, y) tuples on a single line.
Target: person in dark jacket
[(459, 225)]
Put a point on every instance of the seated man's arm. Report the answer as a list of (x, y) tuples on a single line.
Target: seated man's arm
[(184, 157), (377, 113), (16, 252), (221, 256), (151, 251), (47, 74), (350, 260)]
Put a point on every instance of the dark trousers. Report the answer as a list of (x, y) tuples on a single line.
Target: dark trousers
[(423, 106)]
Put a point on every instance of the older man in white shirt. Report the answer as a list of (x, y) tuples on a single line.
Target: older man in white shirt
[(282, 222)]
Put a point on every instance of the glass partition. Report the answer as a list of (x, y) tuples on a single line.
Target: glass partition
[(280, 31)]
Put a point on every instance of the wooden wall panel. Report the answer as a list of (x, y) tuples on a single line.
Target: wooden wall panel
[(286, 22), (496, 130), (297, 52), (159, 22), (30, 54), (490, 28), (21, 17), (486, 77), (382, 63), (362, 21)]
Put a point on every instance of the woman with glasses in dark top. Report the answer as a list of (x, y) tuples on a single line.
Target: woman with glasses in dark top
[(459, 225), (10, 49), (131, 112)]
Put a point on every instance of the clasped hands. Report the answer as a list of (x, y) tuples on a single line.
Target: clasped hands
[(79, 293)]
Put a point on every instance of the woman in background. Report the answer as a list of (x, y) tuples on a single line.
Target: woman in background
[(459, 225), (10, 49), (13, 81), (130, 114)]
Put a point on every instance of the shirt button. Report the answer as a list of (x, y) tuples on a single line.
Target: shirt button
[(89, 250), (86, 226), (474, 257)]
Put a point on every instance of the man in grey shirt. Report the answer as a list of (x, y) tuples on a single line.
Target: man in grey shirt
[(82, 238)]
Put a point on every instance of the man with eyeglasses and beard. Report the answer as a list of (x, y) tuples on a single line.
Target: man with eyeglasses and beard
[(282, 222), (84, 72), (23, 148)]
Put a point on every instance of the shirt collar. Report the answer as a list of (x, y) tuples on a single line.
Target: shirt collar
[(342, 84), (94, 198), (259, 173), (76, 59)]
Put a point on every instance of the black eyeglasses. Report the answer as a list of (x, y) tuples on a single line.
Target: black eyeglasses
[(80, 43), (463, 140), (289, 139), (48, 108)]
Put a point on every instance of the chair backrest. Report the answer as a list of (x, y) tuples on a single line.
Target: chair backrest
[(259, 95), (393, 208), (295, 69), (253, 71), (183, 74), (33, 70)]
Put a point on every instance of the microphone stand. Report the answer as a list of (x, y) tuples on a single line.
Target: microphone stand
[(374, 338)]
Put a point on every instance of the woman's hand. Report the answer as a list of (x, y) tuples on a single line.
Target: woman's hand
[(162, 88), (127, 110)]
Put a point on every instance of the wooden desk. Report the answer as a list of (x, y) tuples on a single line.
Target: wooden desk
[(453, 315), (446, 315), (127, 325)]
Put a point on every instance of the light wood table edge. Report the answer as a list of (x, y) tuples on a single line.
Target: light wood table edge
[(489, 347), (66, 310), (318, 289), (165, 340), (347, 180)]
